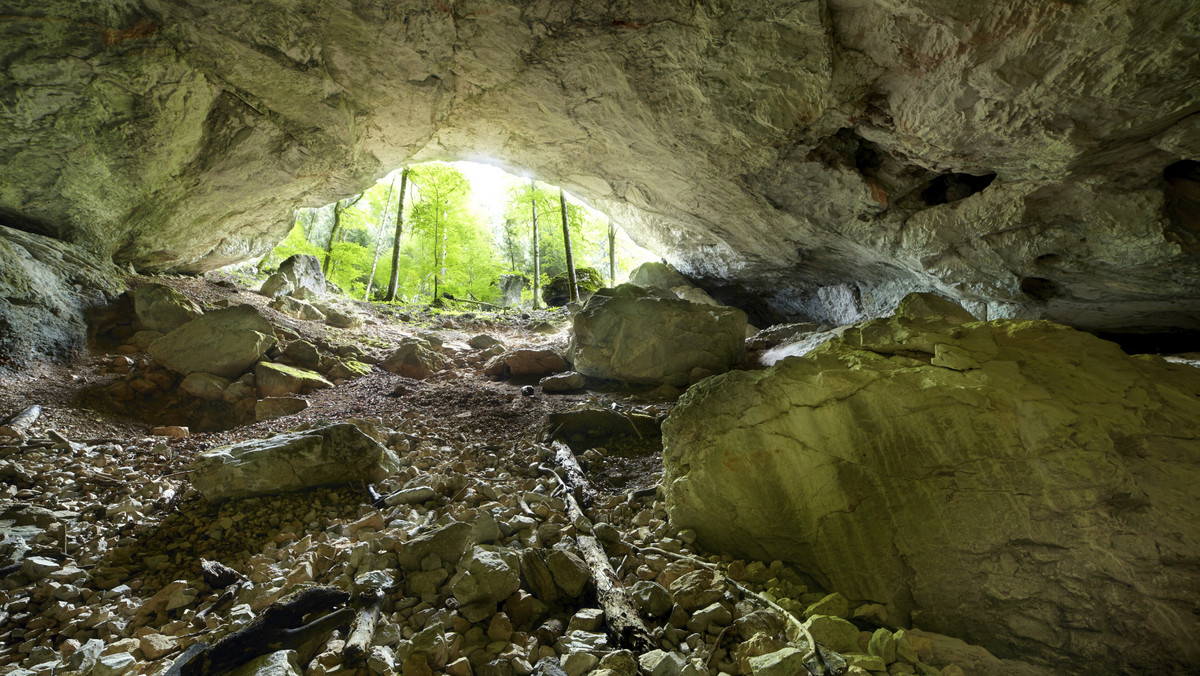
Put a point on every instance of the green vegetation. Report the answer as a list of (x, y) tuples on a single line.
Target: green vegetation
[(448, 241)]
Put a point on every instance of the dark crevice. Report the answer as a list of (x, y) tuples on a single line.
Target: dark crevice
[(1182, 205), (19, 221), (1039, 289), (953, 187), (1154, 342)]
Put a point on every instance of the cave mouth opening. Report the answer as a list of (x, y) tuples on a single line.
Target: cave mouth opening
[(463, 229)]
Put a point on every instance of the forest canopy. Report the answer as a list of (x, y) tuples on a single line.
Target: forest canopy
[(461, 226)]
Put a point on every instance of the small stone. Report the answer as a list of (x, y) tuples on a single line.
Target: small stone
[(278, 663), (569, 381), (114, 665), (570, 573), (620, 663), (578, 664), (381, 660), (652, 598), (154, 646), (342, 319), (905, 650), (459, 667), (586, 619), (37, 567), (867, 662), (204, 385), (483, 341), (270, 408), (882, 645), (500, 628), (170, 431), (785, 662), (834, 604), (834, 633), (713, 615)]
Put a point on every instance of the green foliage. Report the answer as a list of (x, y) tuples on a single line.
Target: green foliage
[(294, 243), (444, 239)]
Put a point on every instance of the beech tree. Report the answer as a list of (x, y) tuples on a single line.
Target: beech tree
[(393, 278)]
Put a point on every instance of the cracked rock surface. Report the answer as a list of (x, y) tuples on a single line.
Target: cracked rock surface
[(1020, 484)]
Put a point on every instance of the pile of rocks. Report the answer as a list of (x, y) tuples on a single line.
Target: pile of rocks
[(223, 366)]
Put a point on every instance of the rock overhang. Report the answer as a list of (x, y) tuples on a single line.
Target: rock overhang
[(830, 156)]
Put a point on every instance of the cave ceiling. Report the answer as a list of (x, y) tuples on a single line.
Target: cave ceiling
[(1032, 159)]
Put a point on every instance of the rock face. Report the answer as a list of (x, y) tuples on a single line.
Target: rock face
[(1026, 157), (1018, 484), (294, 461), (223, 342), (41, 311), (629, 334)]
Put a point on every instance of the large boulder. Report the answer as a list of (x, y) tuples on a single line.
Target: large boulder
[(161, 308), (633, 335), (413, 358), (664, 276), (557, 292), (304, 272), (1018, 484), (223, 342), (657, 275), (290, 462)]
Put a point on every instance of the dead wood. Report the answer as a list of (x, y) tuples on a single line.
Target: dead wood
[(17, 425), (575, 478), (278, 627), (619, 612), (358, 644)]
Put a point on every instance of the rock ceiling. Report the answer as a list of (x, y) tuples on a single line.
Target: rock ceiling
[(1032, 158)]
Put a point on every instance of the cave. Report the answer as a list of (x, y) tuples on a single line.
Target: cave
[(913, 388)]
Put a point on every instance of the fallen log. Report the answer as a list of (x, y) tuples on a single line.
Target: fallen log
[(18, 424), (358, 644), (575, 478), (621, 616), (278, 627)]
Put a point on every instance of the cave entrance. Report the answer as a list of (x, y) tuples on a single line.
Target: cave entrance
[(462, 231)]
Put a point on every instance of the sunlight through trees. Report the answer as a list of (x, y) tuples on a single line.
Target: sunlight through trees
[(437, 229)]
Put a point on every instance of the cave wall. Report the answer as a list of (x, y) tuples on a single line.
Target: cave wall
[(1029, 158)]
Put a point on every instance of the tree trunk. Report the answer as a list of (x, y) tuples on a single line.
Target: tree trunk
[(387, 203), (338, 208), (612, 253), (445, 244), (574, 287), (394, 281), (437, 215), (537, 258)]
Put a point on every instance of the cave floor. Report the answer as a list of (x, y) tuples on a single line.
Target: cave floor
[(105, 506)]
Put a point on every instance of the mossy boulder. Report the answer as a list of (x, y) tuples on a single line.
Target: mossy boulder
[(557, 292)]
